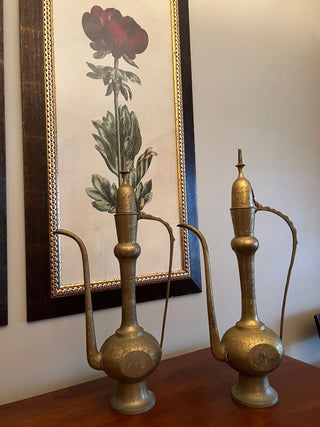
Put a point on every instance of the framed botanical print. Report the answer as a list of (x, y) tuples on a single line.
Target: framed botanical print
[(104, 85)]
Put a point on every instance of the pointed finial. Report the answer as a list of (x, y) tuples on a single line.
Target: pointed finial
[(124, 171), (240, 164), (242, 195)]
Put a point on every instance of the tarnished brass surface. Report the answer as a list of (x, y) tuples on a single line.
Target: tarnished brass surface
[(249, 347), (130, 354)]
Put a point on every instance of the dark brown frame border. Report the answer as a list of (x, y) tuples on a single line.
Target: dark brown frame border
[(39, 303), (3, 199), (317, 320)]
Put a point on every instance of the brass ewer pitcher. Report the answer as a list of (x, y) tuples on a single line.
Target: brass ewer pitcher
[(131, 354), (249, 347)]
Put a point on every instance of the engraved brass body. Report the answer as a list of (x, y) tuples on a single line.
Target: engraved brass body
[(130, 354), (249, 347)]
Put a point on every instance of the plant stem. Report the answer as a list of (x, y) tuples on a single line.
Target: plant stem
[(117, 120)]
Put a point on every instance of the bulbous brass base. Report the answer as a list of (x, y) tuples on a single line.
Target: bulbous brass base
[(254, 392), (132, 398)]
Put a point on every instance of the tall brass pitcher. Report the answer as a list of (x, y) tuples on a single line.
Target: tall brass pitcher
[(249, 347), (131, 354)]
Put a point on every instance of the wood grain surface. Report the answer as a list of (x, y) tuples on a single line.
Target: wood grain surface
[(191, 390)]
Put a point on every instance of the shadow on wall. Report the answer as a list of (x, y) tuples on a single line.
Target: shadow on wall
[(301, 329)]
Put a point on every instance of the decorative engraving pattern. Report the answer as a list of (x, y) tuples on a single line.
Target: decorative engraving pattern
[(264, 357)]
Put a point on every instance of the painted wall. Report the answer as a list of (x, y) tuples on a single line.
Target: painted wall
[(256, 68)]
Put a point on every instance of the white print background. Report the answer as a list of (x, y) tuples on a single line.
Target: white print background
[(79, 100)]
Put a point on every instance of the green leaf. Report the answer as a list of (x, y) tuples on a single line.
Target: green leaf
[(142, 168), (132, 177), (100, 54), (102, 206), (109, 157), (99, 72), (135, 134), (128, 89), (107, 142), (94, 75), (116, 75), (109, 89), (124, 93), (132, 77), (96, 68), (143, 194), (106, 79), (130, 143), (129, 61), (128, 75), (103, 194), (130, 136), (147, 187), (107, 69), (113, 74), (144, 163), (148, 198), (122, 74)]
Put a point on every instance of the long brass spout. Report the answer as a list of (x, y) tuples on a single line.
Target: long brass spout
[(93, 355), (217, 347)]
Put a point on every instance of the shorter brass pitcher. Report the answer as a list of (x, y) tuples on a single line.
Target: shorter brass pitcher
[(131, 354), (249, 347)]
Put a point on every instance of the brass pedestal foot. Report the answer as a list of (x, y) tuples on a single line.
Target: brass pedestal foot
[(132, 398), (254, 392)]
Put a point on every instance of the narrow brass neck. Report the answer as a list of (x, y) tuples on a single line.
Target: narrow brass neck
[(244, 243), (127, 251)]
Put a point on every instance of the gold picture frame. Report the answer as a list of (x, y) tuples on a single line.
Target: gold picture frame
[(48, 295)]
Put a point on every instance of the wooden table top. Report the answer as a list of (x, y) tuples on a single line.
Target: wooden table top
[(191, 390)]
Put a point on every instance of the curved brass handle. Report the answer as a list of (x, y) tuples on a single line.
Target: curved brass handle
[(144, 215), (93, 356), (293, 254)]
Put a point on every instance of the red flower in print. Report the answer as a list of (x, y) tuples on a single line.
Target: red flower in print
[(110, 32)]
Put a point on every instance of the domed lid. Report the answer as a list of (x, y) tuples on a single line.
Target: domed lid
[(242, 194), (126, 198)]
